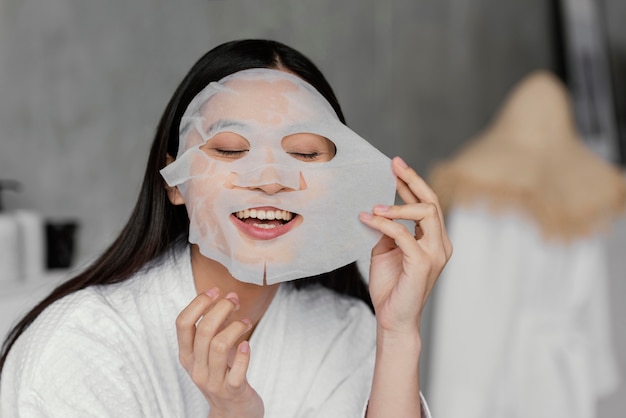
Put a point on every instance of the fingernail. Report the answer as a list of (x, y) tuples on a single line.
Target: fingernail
[(232, 296), (246, 321), (244, 347), (365, 215), (213, 292), (401, 162), (381, 208)]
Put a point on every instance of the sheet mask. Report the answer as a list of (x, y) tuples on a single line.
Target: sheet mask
[(264, 106)]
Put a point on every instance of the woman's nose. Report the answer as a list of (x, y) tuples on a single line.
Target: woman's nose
[(268, 179), (272, 188), (271, 180)]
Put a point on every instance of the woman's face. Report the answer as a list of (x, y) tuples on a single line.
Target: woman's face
[(258, 177), (266, 185)]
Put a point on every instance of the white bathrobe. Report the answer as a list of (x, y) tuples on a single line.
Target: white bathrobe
[(112, 352), (521, 325)]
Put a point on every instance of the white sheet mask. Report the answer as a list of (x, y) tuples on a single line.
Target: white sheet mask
[(254, 111)]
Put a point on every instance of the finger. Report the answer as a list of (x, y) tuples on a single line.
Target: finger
[(236, 378), (405, 192), (210, 325), (186, 323), (425, 215), (394, 230), (416, 187), (412, 189), (221, 347)]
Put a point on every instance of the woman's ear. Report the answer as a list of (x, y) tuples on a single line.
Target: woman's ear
[(172, 192)]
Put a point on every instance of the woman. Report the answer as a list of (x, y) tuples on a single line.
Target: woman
[(155, 327)]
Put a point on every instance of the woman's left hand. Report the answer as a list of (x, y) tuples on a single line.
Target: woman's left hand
[(406, 263)]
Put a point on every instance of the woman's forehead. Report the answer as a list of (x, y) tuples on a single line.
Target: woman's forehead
[(266, 101)]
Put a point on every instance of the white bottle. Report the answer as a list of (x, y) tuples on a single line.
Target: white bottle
[(9, 249), (31, 244), (9, 240)]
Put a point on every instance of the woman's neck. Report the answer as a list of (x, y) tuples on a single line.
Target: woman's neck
[(253, 299)]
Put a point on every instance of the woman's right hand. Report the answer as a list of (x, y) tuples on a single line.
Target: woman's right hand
[(206, 346)]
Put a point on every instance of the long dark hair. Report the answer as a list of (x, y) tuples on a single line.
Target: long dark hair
[(155, 225)]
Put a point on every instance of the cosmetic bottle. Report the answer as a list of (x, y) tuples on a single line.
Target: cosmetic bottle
[(31, 243), (9, 238)]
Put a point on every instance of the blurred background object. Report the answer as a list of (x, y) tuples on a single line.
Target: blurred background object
[(9, 236), (521, 323), (83, 84), (21, 240), (60, 243), (585, 65)]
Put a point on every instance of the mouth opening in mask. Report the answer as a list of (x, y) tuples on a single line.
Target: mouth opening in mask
[(265, 222)]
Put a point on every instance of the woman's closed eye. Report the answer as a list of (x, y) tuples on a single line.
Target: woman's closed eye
[(230, 153), (314, 155), (226, 146), (308, 147)]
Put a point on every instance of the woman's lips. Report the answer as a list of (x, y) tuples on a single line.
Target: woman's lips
[(265, 223)]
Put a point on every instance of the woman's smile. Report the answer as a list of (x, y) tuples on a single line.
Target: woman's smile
[(265, 223)]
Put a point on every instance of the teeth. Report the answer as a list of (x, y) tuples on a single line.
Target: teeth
[(265, 214), (265, 226)]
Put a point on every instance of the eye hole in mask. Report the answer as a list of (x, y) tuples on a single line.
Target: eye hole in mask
[(309, 147), (226, 146)]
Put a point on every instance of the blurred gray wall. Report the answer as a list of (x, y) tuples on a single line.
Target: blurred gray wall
[(83, 83)]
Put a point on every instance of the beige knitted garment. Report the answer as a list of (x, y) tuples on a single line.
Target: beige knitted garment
[(530, 158)]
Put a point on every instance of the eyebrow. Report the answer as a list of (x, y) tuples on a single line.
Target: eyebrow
[(225, 123)]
